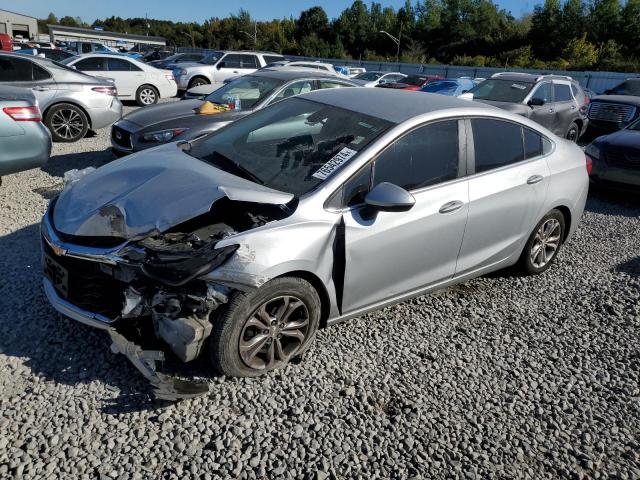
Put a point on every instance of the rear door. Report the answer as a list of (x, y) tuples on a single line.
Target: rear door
[(566, 107), (544, 114), (234, 64), (507, 190), (128, 76), (389, 254)]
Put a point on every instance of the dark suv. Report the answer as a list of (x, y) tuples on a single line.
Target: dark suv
[(555, 102), (616, 109)]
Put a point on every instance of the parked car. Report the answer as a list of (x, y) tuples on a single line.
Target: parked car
[(616, 157), (554, 101), (26, 143), (411, 82), (243, 242), (135, 80), (452, 87), (372, 78), (81, 48), (185, 120), (71, 101), (616, 109), (50, 53), (155, 55), (174, 60), (6, 44), (215, 67)]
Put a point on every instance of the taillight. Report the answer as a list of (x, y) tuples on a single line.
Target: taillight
[(23, 114), (113, 91), (588, 164)]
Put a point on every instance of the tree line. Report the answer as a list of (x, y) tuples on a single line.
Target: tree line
[(560, 35)]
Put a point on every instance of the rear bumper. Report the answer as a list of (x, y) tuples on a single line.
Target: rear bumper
[(23, 152), (103, 117), (614, 176), (168, 89)]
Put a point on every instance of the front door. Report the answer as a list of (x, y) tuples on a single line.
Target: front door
[(388, 254), (544, 114)]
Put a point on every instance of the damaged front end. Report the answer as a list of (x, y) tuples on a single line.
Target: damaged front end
[(148, 292)]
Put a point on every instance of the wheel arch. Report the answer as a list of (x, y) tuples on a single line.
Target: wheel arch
[(69, 102), (201, 77), (320, 288), (566, 213)]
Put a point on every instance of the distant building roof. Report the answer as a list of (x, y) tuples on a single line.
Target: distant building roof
[(16, 13), (95, 34)]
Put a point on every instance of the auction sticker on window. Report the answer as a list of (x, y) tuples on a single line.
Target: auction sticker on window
[(335, 163)]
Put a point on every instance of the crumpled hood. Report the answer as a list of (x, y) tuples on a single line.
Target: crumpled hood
[(150, 191)]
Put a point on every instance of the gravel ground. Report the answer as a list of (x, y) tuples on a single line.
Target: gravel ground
[(502, 377)]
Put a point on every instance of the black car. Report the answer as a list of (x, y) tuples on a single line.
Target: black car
[(616, 157), (555, 102), (617, 108), (151, 126)]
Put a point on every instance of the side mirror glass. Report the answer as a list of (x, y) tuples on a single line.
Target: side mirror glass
[(536, 102), (220, 65), (388, 197)]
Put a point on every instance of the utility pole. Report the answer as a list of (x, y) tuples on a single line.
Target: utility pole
[(395, 40), (253, 37)]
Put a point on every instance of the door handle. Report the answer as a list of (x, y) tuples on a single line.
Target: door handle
[(533, 179), (451, 206), (551, 110), (40, 89)]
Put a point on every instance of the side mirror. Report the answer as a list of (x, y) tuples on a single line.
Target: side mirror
[(535, 102), (220, 65), (388, 197), (608, 91), (464, 91)]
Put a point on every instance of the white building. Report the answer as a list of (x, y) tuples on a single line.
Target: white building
[(18, 25)]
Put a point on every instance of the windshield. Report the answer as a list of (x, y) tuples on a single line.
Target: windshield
[(250, 89), (629, 87), (211, 58), (436, 87), (501, 90), (414, 80), (368, 76), (291, 146)]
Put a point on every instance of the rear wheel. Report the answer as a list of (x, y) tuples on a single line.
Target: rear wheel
[(544, 243), (263, 330), (197, 81), (147, 95), (66, 122), (573, 133)]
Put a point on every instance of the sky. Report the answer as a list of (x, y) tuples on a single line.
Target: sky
[(200, 10)]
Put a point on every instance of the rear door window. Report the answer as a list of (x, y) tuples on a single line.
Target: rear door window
[(272, 58), (496, 143), (15, 70), (249, 61), (562, 92), (40, 73), (96, 64), (544, 92)]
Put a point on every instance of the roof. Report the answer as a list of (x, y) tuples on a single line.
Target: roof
[(393, 105), (105, 34), (288, 73), (527, 77), (16, 13)]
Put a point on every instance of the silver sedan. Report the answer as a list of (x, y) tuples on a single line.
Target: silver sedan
[(314, 210)]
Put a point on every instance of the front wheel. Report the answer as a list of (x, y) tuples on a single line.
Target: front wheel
[(544, 243), (197, 82), (147, 95), (263, 330), (573, 133)]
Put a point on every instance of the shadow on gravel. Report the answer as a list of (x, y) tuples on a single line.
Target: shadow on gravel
[(630, 267), (58, 164), (60, 350), (611, 201)]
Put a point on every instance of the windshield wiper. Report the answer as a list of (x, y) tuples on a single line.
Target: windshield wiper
[(238, 168)]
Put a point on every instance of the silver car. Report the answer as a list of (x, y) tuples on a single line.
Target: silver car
[(24, 142), (71, 102), (311, 211)]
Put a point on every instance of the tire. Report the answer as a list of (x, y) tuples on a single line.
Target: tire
[(573, 132), (147, 95), (240, 323), (197, 81), (549, 232), (66, 122)]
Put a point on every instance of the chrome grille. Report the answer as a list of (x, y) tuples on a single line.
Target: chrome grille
[(611, 112)]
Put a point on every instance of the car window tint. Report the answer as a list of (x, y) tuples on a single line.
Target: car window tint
[(332, 84), (248, 61), (532, 143), (231, 61), (40, 73), (15, 70), (562, 92), (118, 65), (426, 156), (544, 93), (272, 58), (496, 143), (295, 88), (90, 65), (575, 91), (86, 48)]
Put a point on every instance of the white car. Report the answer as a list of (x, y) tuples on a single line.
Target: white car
[(373, 79), (324, 67), (134, 80)]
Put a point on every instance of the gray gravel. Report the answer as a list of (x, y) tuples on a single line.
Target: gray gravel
[(502, 377)]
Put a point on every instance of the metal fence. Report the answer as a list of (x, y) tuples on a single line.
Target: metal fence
[(596, 81)]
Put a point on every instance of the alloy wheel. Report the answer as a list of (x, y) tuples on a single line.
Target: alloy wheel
[(67, 123), (572, 134), (546, 243), (274, 333), (147, 96)]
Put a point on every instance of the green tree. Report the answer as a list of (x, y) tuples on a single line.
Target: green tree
[(580, 53), (605, 20)]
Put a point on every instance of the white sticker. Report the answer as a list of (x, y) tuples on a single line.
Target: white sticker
[(335, 163), (519, 86)]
